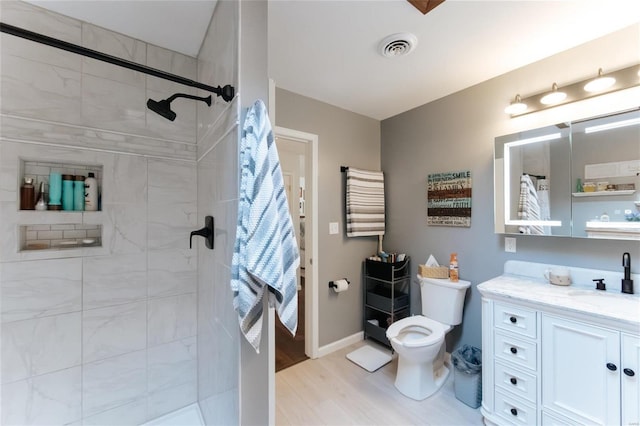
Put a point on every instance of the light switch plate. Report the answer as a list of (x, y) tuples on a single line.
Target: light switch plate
[(333, 228), (509, 244)]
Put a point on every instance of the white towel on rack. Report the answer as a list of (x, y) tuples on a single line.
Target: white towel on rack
[(365, 203), (542, 187), (265, 252), (528, 207)]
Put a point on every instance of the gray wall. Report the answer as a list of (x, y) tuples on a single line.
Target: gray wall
[(344, 139), (457, 133)]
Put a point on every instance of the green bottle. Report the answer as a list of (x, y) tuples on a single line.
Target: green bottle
[(579, 185)]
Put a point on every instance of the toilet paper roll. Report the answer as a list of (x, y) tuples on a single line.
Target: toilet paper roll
[(340, 285)]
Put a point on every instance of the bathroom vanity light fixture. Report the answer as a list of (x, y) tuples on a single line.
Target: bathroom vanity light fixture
[(614, 81), (554, 97)]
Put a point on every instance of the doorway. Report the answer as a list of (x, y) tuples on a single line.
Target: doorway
[(303, 148)]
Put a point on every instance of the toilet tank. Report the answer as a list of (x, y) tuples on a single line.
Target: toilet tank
[(443, 300)]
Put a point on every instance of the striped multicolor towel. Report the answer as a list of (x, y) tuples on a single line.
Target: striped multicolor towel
[(528, 207), (365, 203), (542, 187), (265, 254)]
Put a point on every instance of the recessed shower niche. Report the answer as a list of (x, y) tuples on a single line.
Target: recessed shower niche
[(60, 235), (60, 224)]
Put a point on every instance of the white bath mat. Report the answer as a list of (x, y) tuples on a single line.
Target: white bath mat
[(369, 358)]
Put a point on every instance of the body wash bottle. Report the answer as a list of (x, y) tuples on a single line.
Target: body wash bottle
[(91, 193)]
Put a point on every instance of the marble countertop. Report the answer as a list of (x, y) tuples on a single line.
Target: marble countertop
[(607, 305)]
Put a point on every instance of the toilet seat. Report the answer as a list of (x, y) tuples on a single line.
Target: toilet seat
[(430, 331)]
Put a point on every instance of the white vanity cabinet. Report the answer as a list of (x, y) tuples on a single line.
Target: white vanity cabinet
[(547, 362)]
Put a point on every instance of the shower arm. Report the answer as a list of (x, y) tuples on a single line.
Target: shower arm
[(185, 95), (227, 92)]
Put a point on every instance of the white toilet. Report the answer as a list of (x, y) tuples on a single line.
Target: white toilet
[(419, 340)]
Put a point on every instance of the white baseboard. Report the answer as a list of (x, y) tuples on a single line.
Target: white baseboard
[(340, 344)]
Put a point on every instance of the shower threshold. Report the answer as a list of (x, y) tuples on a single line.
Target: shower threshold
[(187, 416)]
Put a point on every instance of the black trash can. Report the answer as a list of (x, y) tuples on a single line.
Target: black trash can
[(467, 375)]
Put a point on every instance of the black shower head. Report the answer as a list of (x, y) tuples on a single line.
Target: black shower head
[(163, 107)]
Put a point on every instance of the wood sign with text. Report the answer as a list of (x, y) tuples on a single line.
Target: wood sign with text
[(449, 199)]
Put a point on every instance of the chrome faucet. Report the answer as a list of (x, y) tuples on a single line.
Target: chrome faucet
[(627, 282)]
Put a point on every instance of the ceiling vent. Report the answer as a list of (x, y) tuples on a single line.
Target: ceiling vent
[(397, 45)]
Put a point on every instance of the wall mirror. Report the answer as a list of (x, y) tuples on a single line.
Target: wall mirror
[(578, 179)]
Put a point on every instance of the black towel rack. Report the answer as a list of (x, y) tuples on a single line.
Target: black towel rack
[(344, 168), (535, 176)]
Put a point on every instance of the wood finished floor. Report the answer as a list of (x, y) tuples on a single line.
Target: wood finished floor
[(290, 349), (334, 391)]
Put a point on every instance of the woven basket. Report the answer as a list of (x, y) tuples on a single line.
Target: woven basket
[(434, 272)]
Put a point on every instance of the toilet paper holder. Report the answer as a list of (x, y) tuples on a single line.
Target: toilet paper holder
[(332, 284)]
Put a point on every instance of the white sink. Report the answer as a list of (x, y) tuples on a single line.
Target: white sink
[(604, 298)]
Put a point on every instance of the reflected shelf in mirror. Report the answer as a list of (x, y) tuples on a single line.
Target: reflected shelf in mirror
[(604, 193), (616, 230)]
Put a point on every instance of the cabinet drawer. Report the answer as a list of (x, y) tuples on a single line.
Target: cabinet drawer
[(515, 350), (515, 319), (515, 411), (516, 382)]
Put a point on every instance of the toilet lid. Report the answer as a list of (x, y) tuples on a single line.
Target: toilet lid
[(432, 332)]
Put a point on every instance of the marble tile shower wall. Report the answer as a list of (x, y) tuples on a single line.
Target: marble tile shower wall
[(53, 96), (218, 332), (106, 336), (123, 319)]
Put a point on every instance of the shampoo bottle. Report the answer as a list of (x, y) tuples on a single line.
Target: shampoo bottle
[(91, 193), (55, 191), (453, 268), (67, 192), (27, 195), (78, 193)]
